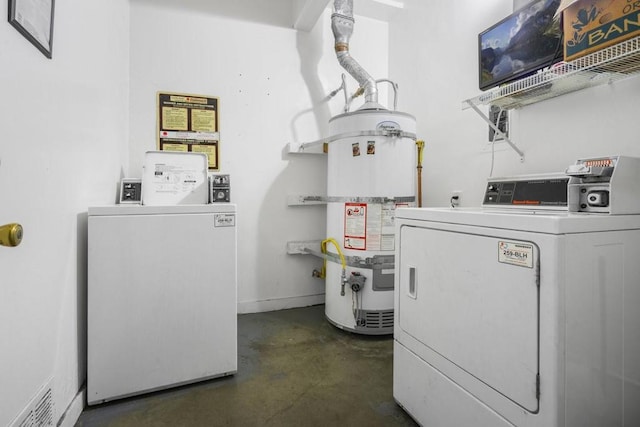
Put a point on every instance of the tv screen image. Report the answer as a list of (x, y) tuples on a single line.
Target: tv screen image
[(525, 41)]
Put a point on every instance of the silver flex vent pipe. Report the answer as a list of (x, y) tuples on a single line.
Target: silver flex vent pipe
[(342, 26)]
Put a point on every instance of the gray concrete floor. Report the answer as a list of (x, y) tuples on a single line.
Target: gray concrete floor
[(294, 369)]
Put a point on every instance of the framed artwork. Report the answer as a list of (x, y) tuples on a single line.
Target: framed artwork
[(34, 20)]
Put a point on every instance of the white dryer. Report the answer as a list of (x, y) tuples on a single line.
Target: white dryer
[(526, 317)]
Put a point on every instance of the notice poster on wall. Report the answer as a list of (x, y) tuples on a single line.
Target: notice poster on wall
[(189, 123)]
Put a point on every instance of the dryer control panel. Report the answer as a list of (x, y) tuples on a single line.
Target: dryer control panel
[(527, 191)]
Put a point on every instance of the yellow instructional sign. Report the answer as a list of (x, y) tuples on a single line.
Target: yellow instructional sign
[(189, 123)]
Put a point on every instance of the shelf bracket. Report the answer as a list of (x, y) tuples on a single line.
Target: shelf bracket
[(496, 129)]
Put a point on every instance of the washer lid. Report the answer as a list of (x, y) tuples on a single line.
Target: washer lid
[(174, 178), (121, 209)]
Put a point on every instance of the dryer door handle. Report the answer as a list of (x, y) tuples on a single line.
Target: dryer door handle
[(412, 289)]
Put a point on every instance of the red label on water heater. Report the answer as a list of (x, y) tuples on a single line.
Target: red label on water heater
[(355, 226)]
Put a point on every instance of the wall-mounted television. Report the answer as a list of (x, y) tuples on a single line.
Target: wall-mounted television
[(522, 43)]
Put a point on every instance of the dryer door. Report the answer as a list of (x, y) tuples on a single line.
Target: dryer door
[(473, 300)]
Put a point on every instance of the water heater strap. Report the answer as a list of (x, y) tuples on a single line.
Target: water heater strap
[(376, 262), (347, 199), (397, 133)]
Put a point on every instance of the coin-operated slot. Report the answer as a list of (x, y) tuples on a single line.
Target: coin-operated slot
[(219, 188), (598, 198), (131, 190), (604, 185)]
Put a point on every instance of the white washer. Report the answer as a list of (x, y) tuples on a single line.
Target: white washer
[(517, 317), (161, 297)]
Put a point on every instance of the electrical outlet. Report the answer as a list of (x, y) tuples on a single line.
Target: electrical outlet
[(456, 197), (500, 118)]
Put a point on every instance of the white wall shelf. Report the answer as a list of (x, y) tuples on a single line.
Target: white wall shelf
[(605, 66)]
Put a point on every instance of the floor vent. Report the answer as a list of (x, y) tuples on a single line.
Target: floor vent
[(39, 412)]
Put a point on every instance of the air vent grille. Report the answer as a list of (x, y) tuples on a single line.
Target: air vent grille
[(27, 421), (39, 412), (370, 319), (43, 414)]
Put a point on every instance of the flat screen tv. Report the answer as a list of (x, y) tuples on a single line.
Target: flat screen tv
[(522, 43)]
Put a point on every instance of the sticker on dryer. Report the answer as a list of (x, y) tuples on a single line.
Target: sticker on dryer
[(224, 220), (515, 253)]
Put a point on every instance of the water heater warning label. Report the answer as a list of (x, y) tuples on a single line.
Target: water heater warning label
[(369, 226), (355, 226), (515, 253)]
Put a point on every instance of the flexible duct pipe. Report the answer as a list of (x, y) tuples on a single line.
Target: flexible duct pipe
[(342, 26)]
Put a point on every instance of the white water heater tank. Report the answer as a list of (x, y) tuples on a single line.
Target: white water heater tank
[(371, 171)]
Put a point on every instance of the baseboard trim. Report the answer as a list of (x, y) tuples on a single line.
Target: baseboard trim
[(245, 307), (74, 410)]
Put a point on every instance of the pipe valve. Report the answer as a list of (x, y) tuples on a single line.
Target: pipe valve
[(343, 281)]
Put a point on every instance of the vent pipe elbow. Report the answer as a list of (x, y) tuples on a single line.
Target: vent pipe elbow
[(342, 26)]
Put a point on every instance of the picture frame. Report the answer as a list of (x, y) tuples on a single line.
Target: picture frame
[(34, 20)]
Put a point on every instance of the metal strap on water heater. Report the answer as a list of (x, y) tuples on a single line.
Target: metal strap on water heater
[(372, 263), (397, 133), (355, 199)]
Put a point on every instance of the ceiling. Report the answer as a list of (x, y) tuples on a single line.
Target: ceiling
[(299, 14), (307, 12)]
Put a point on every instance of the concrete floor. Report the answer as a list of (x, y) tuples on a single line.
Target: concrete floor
[(294, 369)]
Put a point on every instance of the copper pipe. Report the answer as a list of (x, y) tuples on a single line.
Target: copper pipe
[(420, 145)]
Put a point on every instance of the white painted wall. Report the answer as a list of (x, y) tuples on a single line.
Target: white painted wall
[(440, 39), (72, 129), (272, 82), (64, 144)]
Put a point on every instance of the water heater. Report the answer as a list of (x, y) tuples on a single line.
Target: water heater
[(370, 173)]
